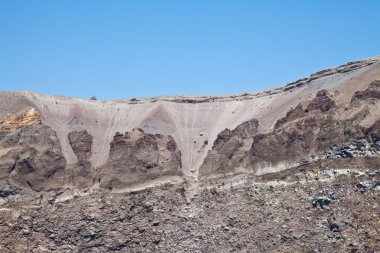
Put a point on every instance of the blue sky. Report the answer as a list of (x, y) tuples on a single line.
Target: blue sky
[(122, 49)]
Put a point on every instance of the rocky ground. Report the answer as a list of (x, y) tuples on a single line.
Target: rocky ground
[(292, 169), (330, 213)]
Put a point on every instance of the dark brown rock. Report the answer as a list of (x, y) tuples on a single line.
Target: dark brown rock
[(309, 184), (34, 160), (292, 114), (229, 149), (137, 157), (311, 134), (322, 102), (372, 92), (81, 142), (298, 135)]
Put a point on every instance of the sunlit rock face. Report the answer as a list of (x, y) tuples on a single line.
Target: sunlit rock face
[(290, 169), (30, 154), (138, 157), (311, 133), (20, 120)]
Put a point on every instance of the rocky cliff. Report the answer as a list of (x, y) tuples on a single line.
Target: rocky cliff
[(291, 169)]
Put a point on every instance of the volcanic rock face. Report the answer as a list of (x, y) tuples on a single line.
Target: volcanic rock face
[(20, 120), (303, 136), (292, 169), (82, 174), (373, 92), (229, 150), (81, 142), (137, 157), (316, 137), (30, 154)]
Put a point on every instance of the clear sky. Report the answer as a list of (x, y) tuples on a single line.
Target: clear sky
[(122, 49)]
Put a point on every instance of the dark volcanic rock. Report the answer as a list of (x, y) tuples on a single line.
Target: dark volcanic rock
[(33, 159), (313, 135), (82, 173), (6, 191), (253, 217), (137, 157), (291, 115), (321, 201), (372, 92), (307, 182), (229, 149), (81, 142), (322, 102), (300, 134)]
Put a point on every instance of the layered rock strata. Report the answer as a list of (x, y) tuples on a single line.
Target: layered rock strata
[(291, 169)]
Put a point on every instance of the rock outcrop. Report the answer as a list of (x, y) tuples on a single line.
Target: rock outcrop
[(20, 120), (372, 92), (81, 142), (136, 157), (351, 66), (303, 136), (291, 169), (229, 151), (82, 172), (30, 153)]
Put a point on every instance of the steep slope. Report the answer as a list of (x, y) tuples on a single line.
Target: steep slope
[(192, 121), (137, 156), (30, 154), (317, 134), (291, 169)]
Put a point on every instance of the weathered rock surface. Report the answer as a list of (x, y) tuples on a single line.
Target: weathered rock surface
[(303, 136), (137, 157), (20, 120), (373, 92), (291, 169), (82, 173), (30, 154), (229, 151), (351, 66), (245, 217), (81, 142)]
